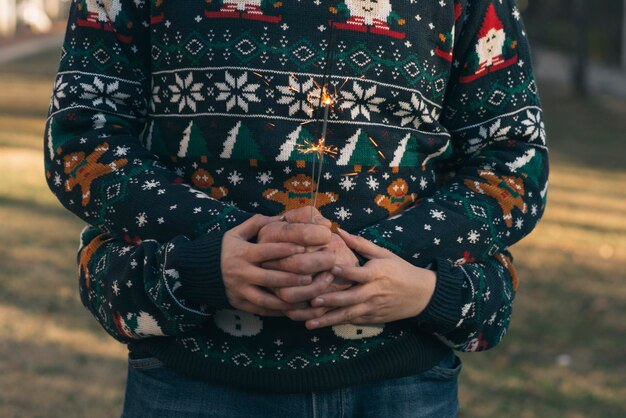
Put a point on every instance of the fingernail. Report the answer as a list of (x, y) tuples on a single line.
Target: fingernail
[(315, 323), (304, 280), (299, 250), (318, 301), (329, 278), (336, 270)]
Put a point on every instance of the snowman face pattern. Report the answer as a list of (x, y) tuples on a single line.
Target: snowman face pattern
[(238, 323), (357, 332), (369, 9), (491, 46)]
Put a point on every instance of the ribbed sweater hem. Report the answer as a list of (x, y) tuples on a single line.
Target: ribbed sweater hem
[(410, 355)]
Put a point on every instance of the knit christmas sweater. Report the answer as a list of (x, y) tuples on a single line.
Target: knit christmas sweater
[(173, 122)]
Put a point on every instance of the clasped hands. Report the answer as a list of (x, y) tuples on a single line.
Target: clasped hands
[(289, 266)]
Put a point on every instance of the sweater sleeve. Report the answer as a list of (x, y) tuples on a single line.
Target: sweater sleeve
[(149, 289), (496, 194), (96, 162), (472, 304)]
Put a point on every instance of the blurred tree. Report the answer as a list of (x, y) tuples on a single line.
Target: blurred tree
[(552, 24), (624, 36), (581, 58)]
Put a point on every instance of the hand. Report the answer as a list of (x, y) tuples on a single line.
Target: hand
[(389, 289), (323, 282), (243, 277), (295, 227), (296, 230)]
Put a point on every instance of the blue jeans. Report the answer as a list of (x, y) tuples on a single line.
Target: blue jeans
[(154, 391)]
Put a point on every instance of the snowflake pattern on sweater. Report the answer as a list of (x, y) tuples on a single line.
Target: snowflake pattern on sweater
[(170, 124)]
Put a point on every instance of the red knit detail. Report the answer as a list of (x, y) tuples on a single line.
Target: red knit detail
[(492, 21), (458, 8)]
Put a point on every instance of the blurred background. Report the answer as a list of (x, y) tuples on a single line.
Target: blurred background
[(564, 355)]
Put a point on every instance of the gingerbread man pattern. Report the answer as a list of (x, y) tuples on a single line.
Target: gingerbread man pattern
[(82, 171), (299, 193), (398, 198), (507, 190), (203, 181)]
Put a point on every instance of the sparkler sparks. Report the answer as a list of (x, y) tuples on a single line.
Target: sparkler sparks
[(320, 148), (325, 100)]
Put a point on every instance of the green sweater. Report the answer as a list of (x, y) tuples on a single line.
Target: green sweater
[(172, 122)]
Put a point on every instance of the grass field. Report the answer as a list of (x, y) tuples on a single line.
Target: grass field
[(564, 355)]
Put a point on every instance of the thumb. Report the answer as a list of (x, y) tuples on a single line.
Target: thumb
[(362, 246), (251, 227)]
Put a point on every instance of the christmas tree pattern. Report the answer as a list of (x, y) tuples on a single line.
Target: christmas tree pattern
[(444, 152), (368, 16), (241, 145), (446, 40), (244, 9), (155, 142), (531, 164), (100, 15), (291, 149), (494, 50), (358, 152), (406, 155), (193, 144), (56, 135)]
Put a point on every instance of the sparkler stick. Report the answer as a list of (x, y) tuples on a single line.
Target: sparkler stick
[(325, 100)]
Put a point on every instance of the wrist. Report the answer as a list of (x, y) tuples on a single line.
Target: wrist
[(425, 283), (443, 311)]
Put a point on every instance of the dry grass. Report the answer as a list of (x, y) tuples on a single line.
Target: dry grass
[(55, 361)]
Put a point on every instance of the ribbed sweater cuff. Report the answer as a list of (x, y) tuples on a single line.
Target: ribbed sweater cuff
[(443, 312), (198, 263)]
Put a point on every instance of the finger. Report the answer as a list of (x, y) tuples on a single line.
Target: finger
[(348, 315), (260, 253), (304, 234), (299, 294), (362, 246), (267, 300), (306, 314), (305, 214), (249, 307), (359, 274), (353, 296), (250, 228), (275, 278), (307, 263)]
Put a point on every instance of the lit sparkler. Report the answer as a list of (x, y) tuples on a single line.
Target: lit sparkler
[(325, 100), (319, 148)]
